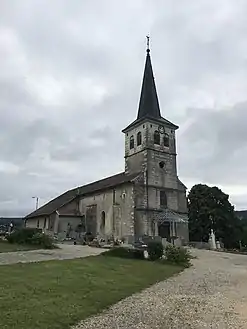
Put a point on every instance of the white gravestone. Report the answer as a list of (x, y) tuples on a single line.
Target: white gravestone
[(211, 241)]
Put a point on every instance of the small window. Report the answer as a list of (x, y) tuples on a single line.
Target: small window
[(156, 137), (131, 142), (143, 126), (44, 226), (102, 224), (139, 138), (38, 223), (166, 140), (114, 196), (163, 199)]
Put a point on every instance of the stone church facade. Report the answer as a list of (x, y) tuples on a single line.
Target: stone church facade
[(146, 199)]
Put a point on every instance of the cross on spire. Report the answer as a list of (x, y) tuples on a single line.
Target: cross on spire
[(148, 40)]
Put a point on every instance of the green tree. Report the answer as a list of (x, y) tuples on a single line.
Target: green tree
[(210, 208)]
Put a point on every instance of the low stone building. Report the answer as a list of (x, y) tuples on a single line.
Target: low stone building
[(146, 199)]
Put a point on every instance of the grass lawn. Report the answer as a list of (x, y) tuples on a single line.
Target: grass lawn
[(5, 246), (58, 294)]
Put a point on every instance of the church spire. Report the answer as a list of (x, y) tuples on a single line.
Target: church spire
[(149, 104)]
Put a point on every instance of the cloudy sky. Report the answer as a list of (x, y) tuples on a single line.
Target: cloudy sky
[(70, 78)]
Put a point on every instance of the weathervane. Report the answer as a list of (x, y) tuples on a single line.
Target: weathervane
[(148, 37)]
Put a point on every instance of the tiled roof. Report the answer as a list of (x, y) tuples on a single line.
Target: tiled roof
[(170, 215), (68, 196)]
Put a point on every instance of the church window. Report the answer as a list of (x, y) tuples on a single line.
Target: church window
[(114, 196), (139, 138), (163, 199), (131, 142), (102, 224), (166, 140), (156, 137)]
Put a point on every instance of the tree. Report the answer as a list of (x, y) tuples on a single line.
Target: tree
[(210, 208)]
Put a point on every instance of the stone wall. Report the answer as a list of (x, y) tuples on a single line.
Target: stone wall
[(118, 206), (37, 222)]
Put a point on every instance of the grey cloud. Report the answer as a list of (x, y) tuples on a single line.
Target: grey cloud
[(214, 145), (65, 133)]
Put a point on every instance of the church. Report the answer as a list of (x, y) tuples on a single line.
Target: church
[(146, 199)]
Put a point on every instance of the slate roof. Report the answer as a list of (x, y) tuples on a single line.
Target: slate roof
[(70, 195), (160, 121), (149, 104)]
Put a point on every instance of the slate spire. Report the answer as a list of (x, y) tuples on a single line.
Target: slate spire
[(149, 104)]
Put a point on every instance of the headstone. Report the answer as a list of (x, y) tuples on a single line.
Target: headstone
[(146, 255), (218, 245), (211, 241)]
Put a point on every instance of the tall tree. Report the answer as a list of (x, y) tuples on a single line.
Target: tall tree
[(210, 208)]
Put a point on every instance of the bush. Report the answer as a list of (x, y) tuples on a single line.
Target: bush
[(31, 236), (42, 240), (155, 250), (125, 253), (22, 236), (178, 255)]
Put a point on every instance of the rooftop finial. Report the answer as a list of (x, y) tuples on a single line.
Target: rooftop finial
[(148, 49)]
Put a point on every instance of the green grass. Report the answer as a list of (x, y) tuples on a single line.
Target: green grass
[(5, 246), (58, 294)]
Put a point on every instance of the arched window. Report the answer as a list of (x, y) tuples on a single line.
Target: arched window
[(163, 199), (102, 224), (131, 142), (139, 138), (156, 137), (166, 140)]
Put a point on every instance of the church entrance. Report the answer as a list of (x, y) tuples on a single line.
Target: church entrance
[(164, 230), (91, 219)]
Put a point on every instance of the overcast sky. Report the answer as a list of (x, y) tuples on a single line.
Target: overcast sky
[(70, 78)]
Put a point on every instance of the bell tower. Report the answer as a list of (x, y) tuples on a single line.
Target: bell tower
[(150, 149), (150, 143)]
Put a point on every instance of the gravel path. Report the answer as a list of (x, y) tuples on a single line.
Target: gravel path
[(211, 294), (65, 252)]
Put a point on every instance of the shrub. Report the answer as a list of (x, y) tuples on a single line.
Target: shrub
[(155, 250), (178, 255), (32, 236), (125, 253), (22, 236), (42, 240)]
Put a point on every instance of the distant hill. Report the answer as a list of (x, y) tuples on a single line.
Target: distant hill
[(5, 222), (242, 214)]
